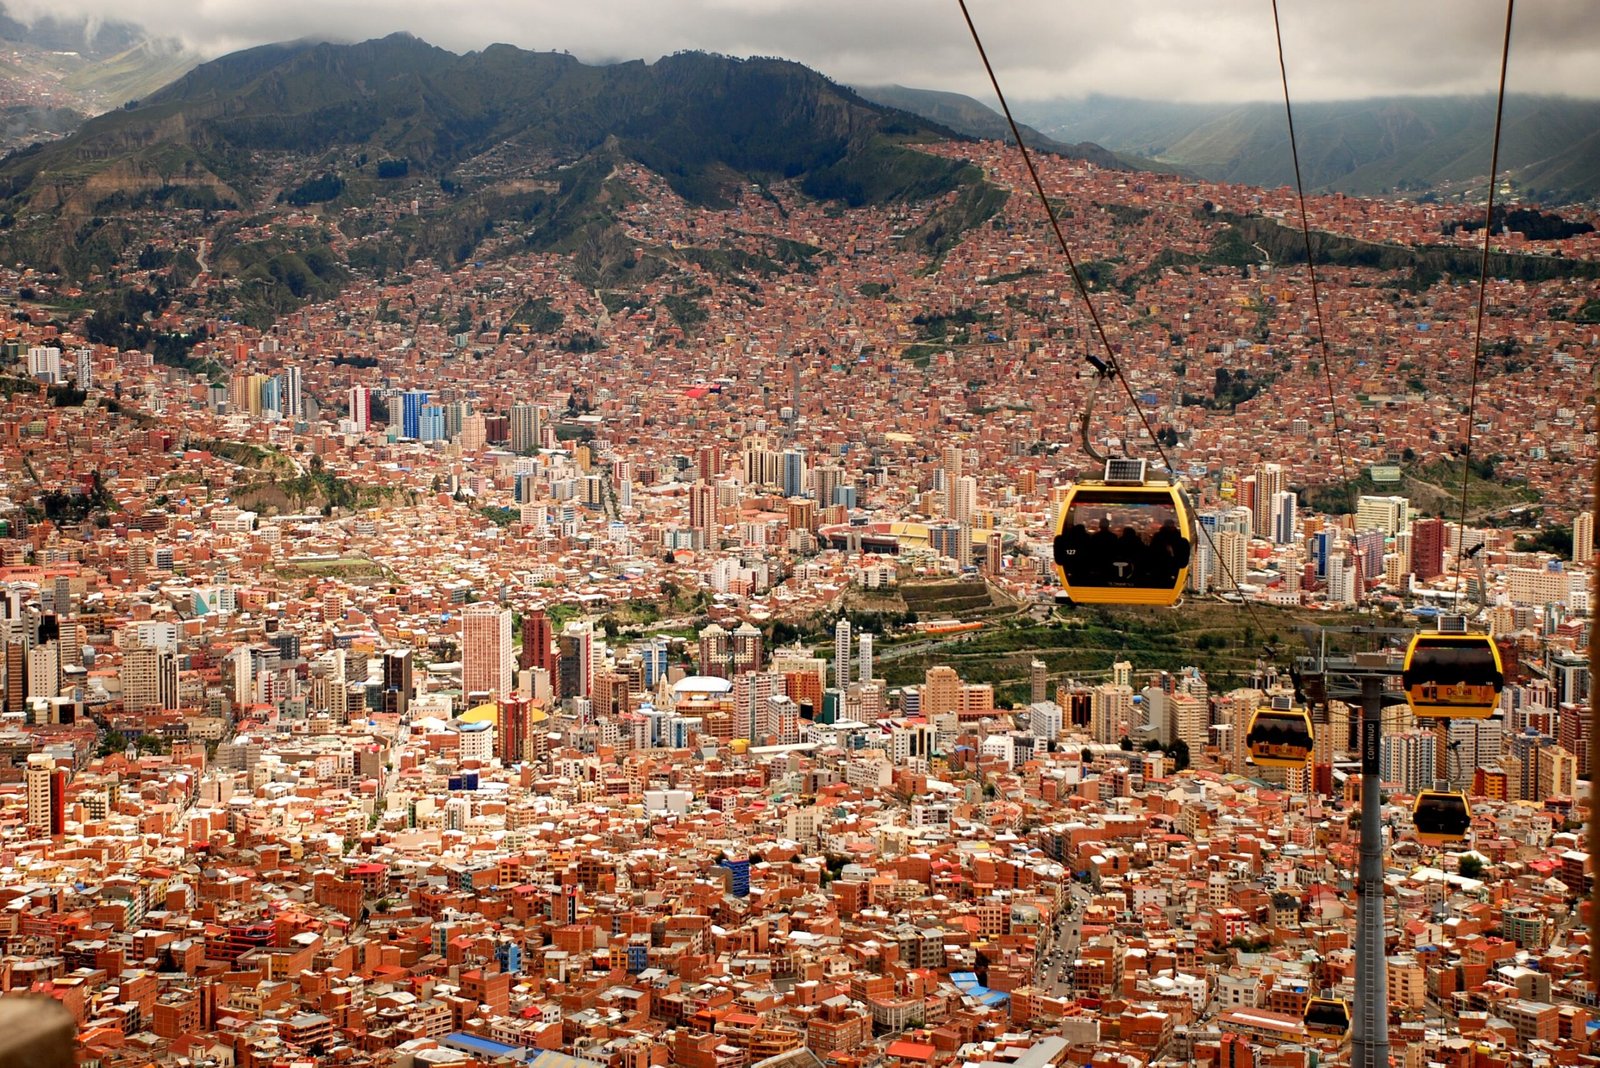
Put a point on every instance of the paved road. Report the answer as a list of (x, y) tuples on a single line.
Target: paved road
[(1053, 968)]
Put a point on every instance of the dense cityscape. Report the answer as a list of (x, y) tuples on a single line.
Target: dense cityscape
[(495, 663)]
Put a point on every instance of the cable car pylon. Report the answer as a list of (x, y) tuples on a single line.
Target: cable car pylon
[(1360, 678)]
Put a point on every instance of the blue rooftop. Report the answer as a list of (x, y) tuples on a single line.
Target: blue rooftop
[(475, 1044)]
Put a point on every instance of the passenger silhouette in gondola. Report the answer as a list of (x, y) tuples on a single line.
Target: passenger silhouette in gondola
[(1170, 549), (1129, 565), (1103, 551)]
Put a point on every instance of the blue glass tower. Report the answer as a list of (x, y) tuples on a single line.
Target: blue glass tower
[(430, 423), (794, 473), (412, 401)]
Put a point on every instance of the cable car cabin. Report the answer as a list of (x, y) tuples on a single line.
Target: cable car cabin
[(1124, 540), (1280, 737), (1453, 675), (1441, 817), (1327, 1016)]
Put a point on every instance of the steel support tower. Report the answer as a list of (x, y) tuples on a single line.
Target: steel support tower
[(1360, 678)]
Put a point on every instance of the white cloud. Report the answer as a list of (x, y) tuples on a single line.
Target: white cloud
[(1164, 49)]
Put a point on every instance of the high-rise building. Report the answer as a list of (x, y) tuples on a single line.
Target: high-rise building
[(1191, 719), (952, 460), (249, 393), (652, 657), (1269, 483), (1203, 561), (994, 556), (47, 794), (825, 481), (716, 652), (941, 692), (751, 691), (964, 501), (486, 650), (431, 423), (272, 395), (474, 434), (1038, 682), (749, 653), (1285, 517), (1583, 538), (1408, 760), (412, 402), (946, 539), (841, 654), (794, 473), (525, 428), (1388, 514), (703, 514), (1232, 559), (1111, 712), (513, 729), (1344, 580), (866, 658), (397, 681), (611, 697), (537, 647), (1044, 720), (1427, 548), (360, 403), (1366, 549), (291, 394), (1472, 744), (330, 685), (577, 646), (16, 665), (44, 669), (149, 679), (1247, 495), (708, 463), (455, 418)]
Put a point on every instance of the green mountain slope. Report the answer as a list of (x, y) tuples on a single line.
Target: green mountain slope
[(132, 73), (531, 136), (1550, 146), (406, 99), (88, 65)]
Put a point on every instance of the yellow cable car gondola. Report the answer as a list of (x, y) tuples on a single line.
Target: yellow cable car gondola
[(1280, 736), (1453, 675), (1441, 817), (1327, 1016), (1124, 540)]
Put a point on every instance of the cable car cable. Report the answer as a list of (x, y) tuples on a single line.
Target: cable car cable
[(1311, 262), (1483, 286), (1113, 365)]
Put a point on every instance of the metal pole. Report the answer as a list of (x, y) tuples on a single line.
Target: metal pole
[(1369, 1033)]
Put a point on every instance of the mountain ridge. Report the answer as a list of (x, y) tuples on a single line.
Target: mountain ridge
[(1550, 146), (505, 133), (973, 118)]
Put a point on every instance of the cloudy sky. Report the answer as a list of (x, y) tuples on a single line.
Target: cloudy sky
[(1158, 49)]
